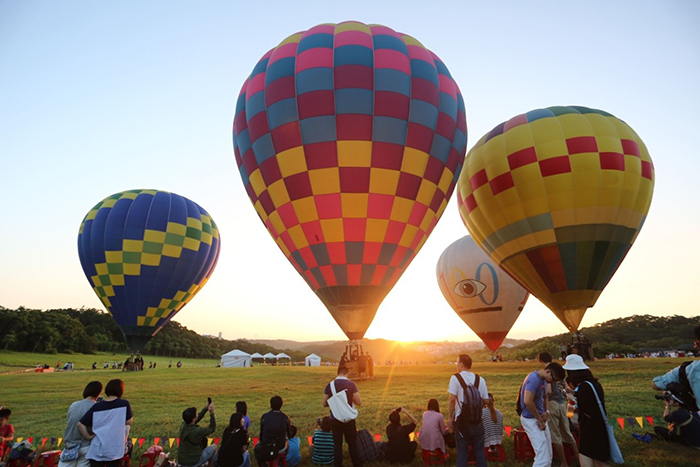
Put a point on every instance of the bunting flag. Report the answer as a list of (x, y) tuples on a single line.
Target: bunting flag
[(508, 428), (216, 441), (31, 440), (377, 437), (156, 441), (630, 421), (53, 440), (171, 441), (640, 421), (133, 441), (621, 421), (178, 441), (43, 442), (209, 440), (19, 440), (141, 440), (650, 420)]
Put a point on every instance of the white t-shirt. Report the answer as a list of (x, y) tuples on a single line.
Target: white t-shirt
[(456, 389)]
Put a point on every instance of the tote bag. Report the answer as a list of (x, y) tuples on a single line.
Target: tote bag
[(338, 402), (615, 454)]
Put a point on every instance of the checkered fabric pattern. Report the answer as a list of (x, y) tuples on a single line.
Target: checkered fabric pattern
[(349, 139), (556, 197), (487, 299), (146, 253)]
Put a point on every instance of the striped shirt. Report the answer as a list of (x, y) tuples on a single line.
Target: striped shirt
[(323, 447), (493, 432)]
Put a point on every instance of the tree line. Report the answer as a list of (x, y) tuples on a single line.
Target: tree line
[(88, 330)]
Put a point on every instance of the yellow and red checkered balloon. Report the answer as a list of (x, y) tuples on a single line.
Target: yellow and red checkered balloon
[(146, 253), (556, 197), (349, 139)]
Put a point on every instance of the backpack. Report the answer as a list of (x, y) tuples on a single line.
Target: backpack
[(470, 409), (518, 400), (686, 394)]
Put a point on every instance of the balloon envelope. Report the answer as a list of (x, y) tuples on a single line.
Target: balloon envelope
[(556, 197), (146, 253), (487, 299), (349, 139)]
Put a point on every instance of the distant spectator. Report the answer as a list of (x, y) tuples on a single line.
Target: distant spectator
[(293, 449), (492, 418), (7, 431), (191, 453), (400, 448), (432, 433), (71, 436), (107, 424), (321, 450), (242, 408), (234, 444), (362, 364), (370, 365)]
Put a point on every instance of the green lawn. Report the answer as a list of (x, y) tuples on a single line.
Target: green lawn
[(39, 401)]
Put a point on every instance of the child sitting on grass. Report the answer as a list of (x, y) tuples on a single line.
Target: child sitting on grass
[(294, 452)]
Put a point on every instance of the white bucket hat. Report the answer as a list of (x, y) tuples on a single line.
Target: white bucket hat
[(575, 362)]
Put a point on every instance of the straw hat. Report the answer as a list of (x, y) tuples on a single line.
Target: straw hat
[(575, 362)]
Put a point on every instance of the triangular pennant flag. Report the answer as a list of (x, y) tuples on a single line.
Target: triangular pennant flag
[(630, 421), (640, 421), (19, 440), (377, 437), (133, 441), (621, 421), (53, 440), (141, 440), (43, 441), (178, 441), (209, 440), (171, 441), (60, 440), (508, 428), (650, 420), (156, 441), (216, 441), (31, 440)]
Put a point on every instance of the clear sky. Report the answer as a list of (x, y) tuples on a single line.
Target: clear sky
[(101, 97)]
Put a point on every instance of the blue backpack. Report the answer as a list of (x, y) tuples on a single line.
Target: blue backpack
[(470, 409)]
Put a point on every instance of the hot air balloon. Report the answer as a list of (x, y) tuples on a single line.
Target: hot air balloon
[(349, 139), (486, 298), (146, 253), (556, 197)]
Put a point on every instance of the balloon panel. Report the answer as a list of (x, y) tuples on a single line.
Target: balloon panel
[(556, 197), (146, 253), (349, 139), (487, 299)]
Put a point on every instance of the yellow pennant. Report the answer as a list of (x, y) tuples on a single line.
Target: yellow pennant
[(209, 440), (171, 441), (19, 440), (133, 441), (59, 441), (640, 421)]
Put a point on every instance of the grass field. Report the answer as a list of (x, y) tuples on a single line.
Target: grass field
[(39, 401)]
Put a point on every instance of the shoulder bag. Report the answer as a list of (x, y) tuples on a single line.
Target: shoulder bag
[(615, 454), (338, 402)]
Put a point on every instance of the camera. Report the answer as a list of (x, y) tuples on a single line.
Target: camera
[(666, 396)]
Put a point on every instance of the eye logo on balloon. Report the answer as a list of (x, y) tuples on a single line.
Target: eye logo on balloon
[(469, 288)]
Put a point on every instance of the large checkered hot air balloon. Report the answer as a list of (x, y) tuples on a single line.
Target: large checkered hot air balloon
[(146, 253), (486, 298), (556, 197), (349, 139)]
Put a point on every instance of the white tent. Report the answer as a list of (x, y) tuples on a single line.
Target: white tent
[(256, 355), (312, 360), (283, 355), (236, 358), (269, 356)]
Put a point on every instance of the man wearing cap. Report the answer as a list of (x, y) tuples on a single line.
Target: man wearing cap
[(692, 372), (684, 425), (532, 401)]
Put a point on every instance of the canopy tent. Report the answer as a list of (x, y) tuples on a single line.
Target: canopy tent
[(282, 355), (256, 355), (312, 360), (269, 355), (236, 358)]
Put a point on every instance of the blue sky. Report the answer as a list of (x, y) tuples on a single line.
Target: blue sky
[(100, 97)]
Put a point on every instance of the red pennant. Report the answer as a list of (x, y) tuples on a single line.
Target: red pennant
[(621, 421), (30, 440), (156, 441), (141, 440), (650, 420), (377, 437), (216, 440), (43, 441), (508, 428), (178, 441)]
